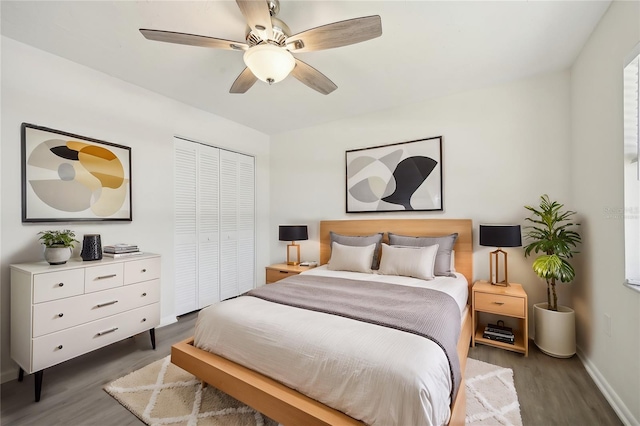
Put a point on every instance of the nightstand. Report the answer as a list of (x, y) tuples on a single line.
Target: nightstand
[(279, 271), (508, 301)]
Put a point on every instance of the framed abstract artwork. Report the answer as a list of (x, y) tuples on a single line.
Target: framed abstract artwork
[(69, 178), (405, 176)]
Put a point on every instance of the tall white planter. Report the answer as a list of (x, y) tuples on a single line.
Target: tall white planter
[(555, 331)]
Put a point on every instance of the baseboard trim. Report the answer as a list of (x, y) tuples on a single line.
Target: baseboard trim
[(167, 320), (610, 395), (7, 376)]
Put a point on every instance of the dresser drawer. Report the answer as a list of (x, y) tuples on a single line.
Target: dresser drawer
[(57, 347), (61, 314), (499, 304), (98, 278), (274, 275), (141, 270), (57, 285)]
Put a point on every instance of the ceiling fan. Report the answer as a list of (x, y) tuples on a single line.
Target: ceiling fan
[(269, 45)]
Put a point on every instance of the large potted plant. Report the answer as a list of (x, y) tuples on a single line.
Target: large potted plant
[(552, 233), (58, 245)]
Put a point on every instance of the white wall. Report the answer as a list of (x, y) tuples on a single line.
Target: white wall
[(47, 90), (496, 145), (597, 187)]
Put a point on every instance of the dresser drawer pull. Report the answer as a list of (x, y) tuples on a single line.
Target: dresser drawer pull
[(499, 303), (60, 314), (144, 270), (102, 333), (102, 305), (284, 272), (59, 346), (104, 277), (60, 284), (144, 319), (144, 294)]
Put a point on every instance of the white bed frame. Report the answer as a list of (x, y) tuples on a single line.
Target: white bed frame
[(290, 407)]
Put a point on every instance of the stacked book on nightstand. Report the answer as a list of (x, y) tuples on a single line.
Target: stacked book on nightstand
[(121, 250), (499, 333)]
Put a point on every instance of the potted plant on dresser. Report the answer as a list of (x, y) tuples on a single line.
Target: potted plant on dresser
[(552, 233), (58, 245)]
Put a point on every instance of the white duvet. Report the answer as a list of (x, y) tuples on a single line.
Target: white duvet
[(375, 374)]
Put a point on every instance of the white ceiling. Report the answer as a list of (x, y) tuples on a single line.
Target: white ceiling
[(427, 49)]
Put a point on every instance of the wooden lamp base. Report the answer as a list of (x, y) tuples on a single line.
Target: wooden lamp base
[(295, 258), (494, 259)]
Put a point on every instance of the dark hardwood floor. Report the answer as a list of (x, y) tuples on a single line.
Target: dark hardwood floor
[(551, 391)]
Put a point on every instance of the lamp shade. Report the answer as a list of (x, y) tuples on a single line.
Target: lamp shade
[(269, 63), (500, 236), (293, 233)]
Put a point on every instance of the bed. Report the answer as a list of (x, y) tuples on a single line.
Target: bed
[(287, 405)]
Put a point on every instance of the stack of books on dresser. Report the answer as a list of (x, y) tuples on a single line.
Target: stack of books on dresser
[(499, 333), (121, 250)]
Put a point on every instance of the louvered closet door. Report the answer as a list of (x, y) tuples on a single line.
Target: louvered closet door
[(246, 223), (185, 226), (229, 167), (208, 229)]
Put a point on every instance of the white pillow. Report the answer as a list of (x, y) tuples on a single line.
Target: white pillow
[(417, 262), (351, 258), (453, 261)]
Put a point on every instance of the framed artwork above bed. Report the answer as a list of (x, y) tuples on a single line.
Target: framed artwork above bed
[(405, 176), (71, 178)]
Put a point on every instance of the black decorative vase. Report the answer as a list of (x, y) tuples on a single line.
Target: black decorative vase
[(91, 247)]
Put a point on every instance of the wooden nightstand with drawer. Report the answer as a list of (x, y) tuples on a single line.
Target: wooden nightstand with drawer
[(279, 271), (508, 301)]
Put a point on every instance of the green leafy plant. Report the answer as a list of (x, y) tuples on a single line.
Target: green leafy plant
[(63, 238), (552, 233)]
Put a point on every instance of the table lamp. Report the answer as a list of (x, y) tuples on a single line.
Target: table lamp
[(293, 233), (499, 236)]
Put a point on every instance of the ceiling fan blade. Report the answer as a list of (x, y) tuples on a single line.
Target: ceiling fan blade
[(192, 40), (245, 80), (337, 34), (256, 12), (313, 78)]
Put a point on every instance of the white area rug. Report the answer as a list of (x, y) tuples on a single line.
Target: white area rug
[(163, 394), (491, 395)]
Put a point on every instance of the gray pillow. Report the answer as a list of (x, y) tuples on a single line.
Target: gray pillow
[(348, 240), (442, 267)]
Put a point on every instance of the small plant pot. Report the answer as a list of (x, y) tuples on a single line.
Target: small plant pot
[(57, 255), (555, 331)]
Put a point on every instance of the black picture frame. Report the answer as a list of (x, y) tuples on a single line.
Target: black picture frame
[(399, 177), (72, 178)]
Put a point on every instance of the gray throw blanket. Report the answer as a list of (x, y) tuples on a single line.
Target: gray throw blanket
[(428, 313)]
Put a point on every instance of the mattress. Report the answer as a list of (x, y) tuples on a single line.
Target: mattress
[(375, 374)]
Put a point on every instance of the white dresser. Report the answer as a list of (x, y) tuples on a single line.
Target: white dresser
[(63, 311)]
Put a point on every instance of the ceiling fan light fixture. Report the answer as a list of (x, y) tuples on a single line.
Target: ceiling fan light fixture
[(269, 63)]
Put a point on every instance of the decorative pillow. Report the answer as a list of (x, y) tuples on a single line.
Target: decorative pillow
[(351, 258), (443, 258), (348, 240), (414, 262)]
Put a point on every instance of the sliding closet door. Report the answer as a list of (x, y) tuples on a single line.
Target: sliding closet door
[(185, 225)]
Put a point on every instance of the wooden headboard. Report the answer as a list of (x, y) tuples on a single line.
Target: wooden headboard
[(412, 227)]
